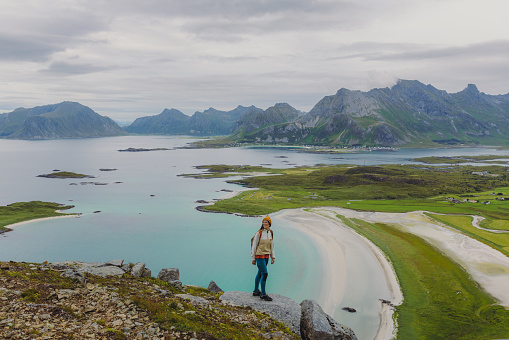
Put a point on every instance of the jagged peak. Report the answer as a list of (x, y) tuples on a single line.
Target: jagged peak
[(472, 88)]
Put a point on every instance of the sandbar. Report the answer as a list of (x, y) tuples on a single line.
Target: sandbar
[(19, 224)]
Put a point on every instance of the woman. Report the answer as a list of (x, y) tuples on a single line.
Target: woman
[(261, 249)]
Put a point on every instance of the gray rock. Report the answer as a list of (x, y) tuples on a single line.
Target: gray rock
[(138, 269), (94, 268), (169, 274), (315, 324), (147, 273), (195, 300), (74, 275), (177, 284), (214, 288), (116, 263), (103, 271), (282, 308)]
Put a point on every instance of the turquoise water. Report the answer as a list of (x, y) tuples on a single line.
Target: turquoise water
[(151, 217)]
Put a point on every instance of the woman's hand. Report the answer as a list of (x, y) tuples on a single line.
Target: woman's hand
[(272, 261), (254, 262)]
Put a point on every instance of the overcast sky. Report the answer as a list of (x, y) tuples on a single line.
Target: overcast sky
[(126, 59)]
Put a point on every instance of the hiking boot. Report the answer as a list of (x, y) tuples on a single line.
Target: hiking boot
[(265, 297), (257, 293)]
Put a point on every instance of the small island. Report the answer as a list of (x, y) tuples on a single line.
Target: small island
[(65, 174), (143, 149)]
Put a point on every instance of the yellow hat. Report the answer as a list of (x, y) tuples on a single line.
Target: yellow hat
[(267, 218)]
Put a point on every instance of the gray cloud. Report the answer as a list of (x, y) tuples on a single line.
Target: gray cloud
[(28, 48), (373, 51), (66, 68)]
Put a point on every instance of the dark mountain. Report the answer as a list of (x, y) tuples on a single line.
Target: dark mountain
[(215, 122), (207, 123), (168, 122), (408, 113), (255, 120), (64, 120)]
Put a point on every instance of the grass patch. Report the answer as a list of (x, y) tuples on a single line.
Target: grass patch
[(460, 159), (498, 241), (440, 299), (25, 211), (395, 188)]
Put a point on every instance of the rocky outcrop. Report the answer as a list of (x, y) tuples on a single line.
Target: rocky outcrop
[(315, 324), (36, 303), (115, 306), (307, 319), (170, 275), (76, 269), (214, 288)]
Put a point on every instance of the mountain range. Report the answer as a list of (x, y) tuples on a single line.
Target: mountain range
[(408, 113), (211, 122)]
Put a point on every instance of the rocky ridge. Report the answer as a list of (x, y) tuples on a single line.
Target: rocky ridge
[(115, 300)]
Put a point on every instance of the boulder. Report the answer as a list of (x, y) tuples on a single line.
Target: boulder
[(147, 273), (103, 271), (315, 324), (281, 308), (214, 288), (79, 268), (138, 269), (74, 275), (169, 274), (116, 263)]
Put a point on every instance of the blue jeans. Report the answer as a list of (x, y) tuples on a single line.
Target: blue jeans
[(262, 274)]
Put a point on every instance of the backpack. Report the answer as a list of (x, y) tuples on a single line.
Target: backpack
[(260, 232)]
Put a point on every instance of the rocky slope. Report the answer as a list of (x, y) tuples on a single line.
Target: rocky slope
[(409, 112), (77, 300), (64, 120)]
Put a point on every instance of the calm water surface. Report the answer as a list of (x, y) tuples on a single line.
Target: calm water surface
[(147, 213)]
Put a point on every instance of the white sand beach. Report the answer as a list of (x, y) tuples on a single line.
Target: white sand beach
[(19, 224), (486, 266), (330, 235)]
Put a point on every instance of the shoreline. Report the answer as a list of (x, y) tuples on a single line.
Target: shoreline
[(329, 234), (10, 227)]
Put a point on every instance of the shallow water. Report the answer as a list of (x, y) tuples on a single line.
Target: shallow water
[(150, 215)]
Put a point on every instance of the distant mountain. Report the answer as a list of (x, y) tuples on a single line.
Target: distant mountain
[(215, 122), (168, 122), (208, 123), (408, 113), (64, 120), (255, 120)]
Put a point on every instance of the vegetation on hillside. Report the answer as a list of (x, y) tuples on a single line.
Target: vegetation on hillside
[(39, 303)]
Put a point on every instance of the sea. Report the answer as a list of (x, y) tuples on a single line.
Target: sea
[(144, 210)]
